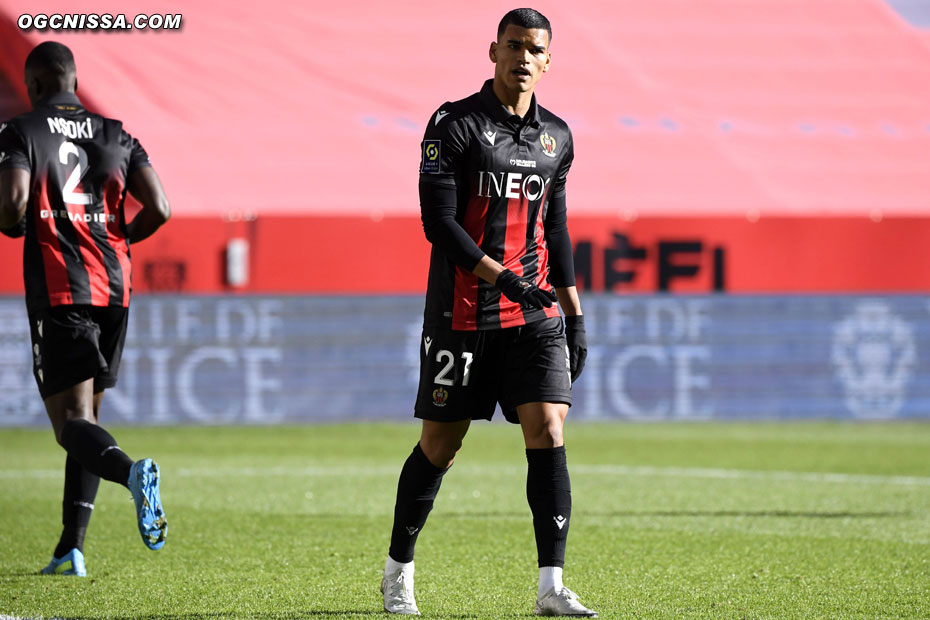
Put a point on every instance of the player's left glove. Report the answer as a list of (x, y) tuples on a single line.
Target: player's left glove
[(577, 344)]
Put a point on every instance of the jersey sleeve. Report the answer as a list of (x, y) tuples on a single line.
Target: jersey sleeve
[(561, 260), (558, 183), (138, 158), (13, 150), (443, 148), (442, 163)]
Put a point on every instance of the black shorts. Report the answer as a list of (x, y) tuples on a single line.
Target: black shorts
[(71, 344), (465, 374)]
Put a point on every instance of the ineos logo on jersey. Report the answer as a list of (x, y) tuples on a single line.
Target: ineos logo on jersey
[(70, 128), (511, 185)]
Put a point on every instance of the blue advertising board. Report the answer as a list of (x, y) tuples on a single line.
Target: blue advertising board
[(289, 359)]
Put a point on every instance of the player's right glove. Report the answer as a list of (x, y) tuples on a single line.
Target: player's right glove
[(577, 344), (523, 291)]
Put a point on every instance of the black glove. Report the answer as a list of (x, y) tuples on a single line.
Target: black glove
[(577, 344), (523, 291)]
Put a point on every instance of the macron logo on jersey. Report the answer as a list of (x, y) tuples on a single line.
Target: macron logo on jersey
[(71, 129), (511, 185), (441, 114)]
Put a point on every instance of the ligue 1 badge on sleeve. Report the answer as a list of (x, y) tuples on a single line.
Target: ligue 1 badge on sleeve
[(548, 145), (431, 154), (440, 396)]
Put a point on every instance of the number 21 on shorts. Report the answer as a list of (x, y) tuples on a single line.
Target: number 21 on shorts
[(445, 360)]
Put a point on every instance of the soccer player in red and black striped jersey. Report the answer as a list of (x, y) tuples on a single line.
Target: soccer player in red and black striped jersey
[(64, 173), (492, 195)]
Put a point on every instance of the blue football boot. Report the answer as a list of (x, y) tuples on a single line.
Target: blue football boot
[(71, 564), (143, 483)]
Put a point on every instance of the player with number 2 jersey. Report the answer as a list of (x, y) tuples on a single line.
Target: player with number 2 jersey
[(64, 174), (76, 250)]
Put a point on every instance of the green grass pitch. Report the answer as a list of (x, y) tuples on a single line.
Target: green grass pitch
[(815, 520)]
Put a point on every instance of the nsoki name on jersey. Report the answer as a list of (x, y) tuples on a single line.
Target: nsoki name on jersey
[(73, 130), (511, 185), (77, 217)]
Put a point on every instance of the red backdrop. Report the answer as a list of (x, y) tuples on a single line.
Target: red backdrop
[(390, 255)]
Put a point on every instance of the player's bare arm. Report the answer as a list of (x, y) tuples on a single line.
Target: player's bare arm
[(568, 300), (488, 269), (146, 187), (14, 193)]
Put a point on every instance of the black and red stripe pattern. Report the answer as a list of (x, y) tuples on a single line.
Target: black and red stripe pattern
[(76, 251), (503, 170)]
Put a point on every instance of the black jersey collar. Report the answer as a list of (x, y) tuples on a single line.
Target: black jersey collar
[(69, 99), (500, 113)]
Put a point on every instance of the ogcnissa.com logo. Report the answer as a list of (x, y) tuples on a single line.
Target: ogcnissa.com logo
[(97, 21)]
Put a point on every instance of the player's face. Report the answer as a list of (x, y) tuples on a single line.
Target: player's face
[(521, 56)]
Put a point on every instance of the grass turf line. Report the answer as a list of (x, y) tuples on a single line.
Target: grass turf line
[(669, 521)]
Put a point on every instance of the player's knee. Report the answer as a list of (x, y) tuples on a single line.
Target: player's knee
[(546, 435), (443, 455), (441, 451), (552, 435)]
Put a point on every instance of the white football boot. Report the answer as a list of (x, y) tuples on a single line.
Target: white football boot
[(562, 602), (397, 587)]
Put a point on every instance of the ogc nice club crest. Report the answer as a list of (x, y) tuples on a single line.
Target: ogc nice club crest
[(548, 144), (440, 396)]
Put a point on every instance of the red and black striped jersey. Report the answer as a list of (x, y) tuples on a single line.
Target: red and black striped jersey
[(76, 248), (495, 173)]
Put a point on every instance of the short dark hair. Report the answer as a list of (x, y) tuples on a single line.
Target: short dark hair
[(525, 18), (51, 57)]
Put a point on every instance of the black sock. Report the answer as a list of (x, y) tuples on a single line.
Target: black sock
[(417, 488), (77, 506), (549, 492), (96, 451)]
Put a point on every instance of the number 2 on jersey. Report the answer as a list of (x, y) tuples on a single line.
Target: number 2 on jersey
[(67, 192)]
